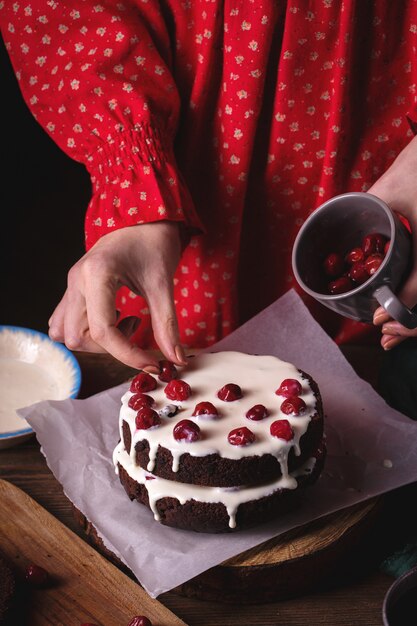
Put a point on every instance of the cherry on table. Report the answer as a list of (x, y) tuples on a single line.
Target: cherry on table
[(36, 575), (140, 620)]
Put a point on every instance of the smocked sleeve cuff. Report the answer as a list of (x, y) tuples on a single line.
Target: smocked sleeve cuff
[(135, 180)]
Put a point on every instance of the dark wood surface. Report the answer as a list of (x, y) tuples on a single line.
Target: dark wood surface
[(353, 596)]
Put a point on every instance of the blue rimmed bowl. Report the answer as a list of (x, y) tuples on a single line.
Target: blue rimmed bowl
[(32, 368)]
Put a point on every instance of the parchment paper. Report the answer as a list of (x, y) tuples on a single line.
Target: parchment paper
[(371, 449)]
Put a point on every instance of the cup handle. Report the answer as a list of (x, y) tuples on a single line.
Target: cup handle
[(395, 307)]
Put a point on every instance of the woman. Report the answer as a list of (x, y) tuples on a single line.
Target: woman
[(211, 130)]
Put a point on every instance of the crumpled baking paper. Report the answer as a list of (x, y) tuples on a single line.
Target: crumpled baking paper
[(371, 450)]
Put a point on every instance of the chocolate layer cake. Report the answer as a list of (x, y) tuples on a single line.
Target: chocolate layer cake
[(224, 446)]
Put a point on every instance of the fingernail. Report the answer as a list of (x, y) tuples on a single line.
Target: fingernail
[(180, 354), (379, 316), (388, 329), (390, 343), (151, 369)]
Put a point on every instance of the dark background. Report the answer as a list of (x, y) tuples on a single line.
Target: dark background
[(44, 199)]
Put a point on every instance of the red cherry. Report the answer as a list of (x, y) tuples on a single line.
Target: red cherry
[(282, 429), (373, 263), (358, 272), (293, 406), (186, 430), (340, 285), (139, 400), (178, 390), (289, 387), (374, 242), (386, 247), (168, 371), (140, 620), (355, 255), (241, 436), (257, 412), (334, 264), (36, 575), (142, 383), (230, 393), (147, 418), (205, 409)]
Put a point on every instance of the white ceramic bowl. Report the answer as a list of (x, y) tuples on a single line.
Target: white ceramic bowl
[(32, 368)]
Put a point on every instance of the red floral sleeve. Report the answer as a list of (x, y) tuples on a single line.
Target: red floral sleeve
[(97, 77)]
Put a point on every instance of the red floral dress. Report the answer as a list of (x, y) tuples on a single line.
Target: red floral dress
[(237, 118)]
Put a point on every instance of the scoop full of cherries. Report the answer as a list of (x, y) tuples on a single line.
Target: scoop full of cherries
[(357, 265)]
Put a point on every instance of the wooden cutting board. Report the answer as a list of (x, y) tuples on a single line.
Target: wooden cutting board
[(85, 587)]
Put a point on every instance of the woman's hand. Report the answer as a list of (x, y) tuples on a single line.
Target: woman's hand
[(142, 257), (398, 188)]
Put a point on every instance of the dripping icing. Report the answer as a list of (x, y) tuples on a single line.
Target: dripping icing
[(231, 498)]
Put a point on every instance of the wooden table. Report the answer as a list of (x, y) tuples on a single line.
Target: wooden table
[(355, 594)]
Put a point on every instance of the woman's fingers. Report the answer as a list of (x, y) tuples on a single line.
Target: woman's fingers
[(381, 316), (388, 341), (393, 332), (77, 332), (56, 322), (160, 300), (102, 319), (142, 258)]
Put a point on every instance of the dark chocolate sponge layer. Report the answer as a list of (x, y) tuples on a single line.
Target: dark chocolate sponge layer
[(213, 517)]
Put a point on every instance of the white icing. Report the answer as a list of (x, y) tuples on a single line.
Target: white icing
[(22, 384), (231, 498), (259, 377)]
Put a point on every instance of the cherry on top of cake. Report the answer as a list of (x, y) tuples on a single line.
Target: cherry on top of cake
[(215, 386)]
